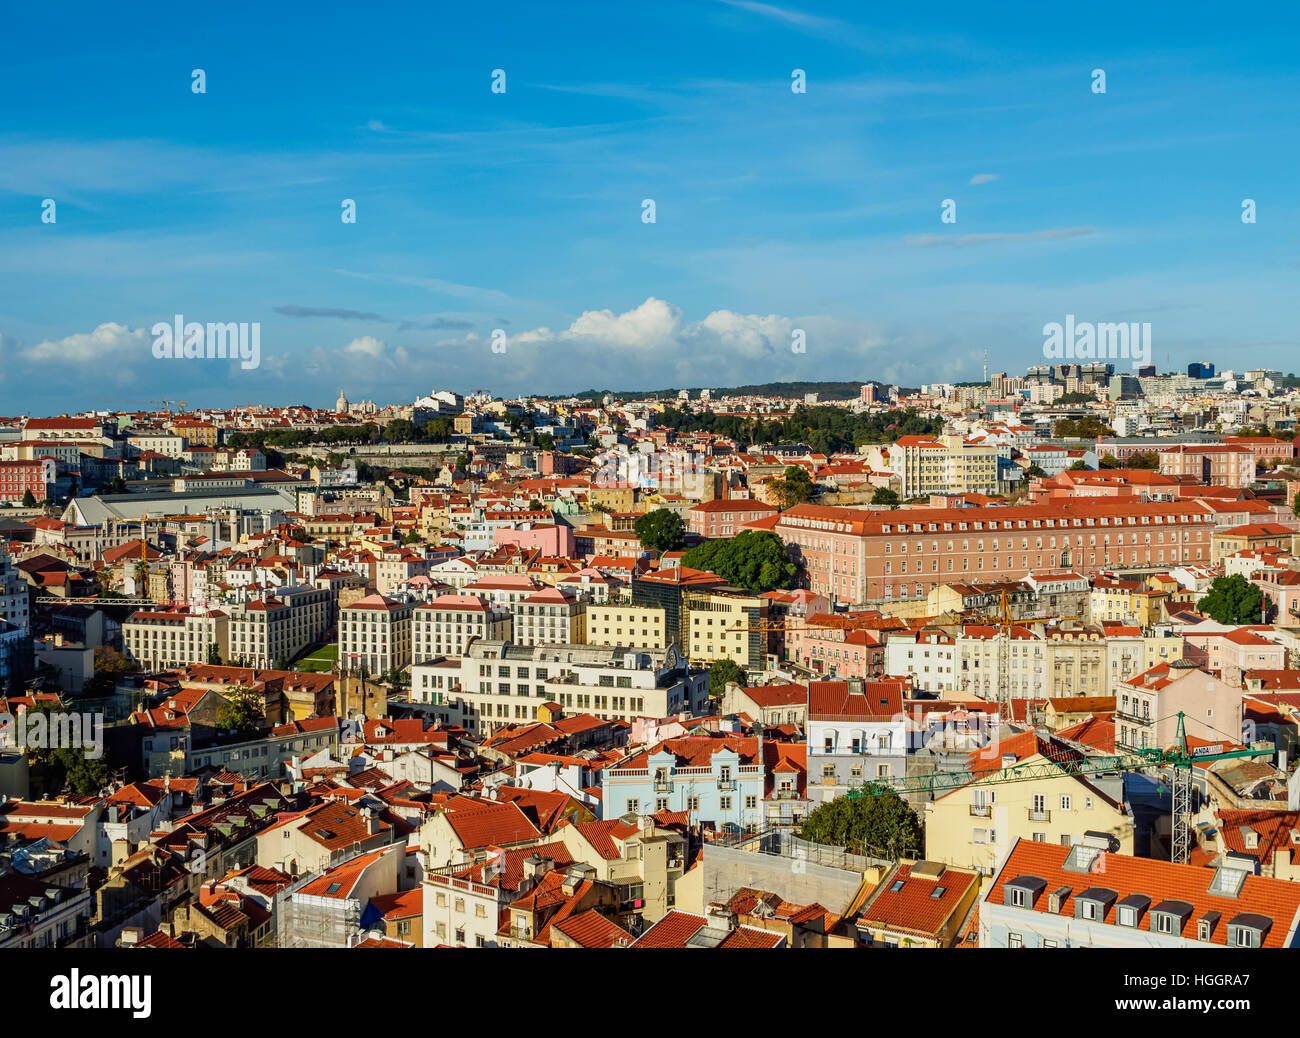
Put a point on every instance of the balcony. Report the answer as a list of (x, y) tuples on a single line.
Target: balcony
[(980, 810), (663, 785), (1039, 816), (726, 785)]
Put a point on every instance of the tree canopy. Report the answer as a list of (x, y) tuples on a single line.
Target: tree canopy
[(660, 530), (753, 559), (826, 430), (1233, 600), (793, 488), (721, 672), (1087, 428), (241, 712), (878, 823), (884, 496)]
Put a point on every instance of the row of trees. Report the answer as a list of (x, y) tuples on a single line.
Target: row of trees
[(826, 430)]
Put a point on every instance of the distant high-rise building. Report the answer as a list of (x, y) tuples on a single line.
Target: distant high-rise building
[(1200, 369), (1146, 370), (869, 393)]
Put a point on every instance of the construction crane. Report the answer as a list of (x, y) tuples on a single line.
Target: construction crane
[(1004, 622), (1180, 758), (167, 404)]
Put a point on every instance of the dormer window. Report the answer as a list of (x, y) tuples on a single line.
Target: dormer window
[(1247, 930)]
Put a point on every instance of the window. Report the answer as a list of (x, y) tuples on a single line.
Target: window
[(633, 806), (1065, 803), (724, 803), (1015, 940), (1164, 923)]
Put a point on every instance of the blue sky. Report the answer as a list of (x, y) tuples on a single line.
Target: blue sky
[(522, 211)]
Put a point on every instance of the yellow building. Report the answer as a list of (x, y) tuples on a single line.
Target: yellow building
[(975, 825), (1076, 662), (721, 624), (635, 627), (621, 498)]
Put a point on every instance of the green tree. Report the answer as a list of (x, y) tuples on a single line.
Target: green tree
[(1233, 600), (884, 496), (399, 430), (29, 499), (1109, 461), (661, 530), (1144, 460), (793, 488), (1087, 428), (878, 823), (110, 666), (241, 712), (1079, 466), (1035, 470), (753, 559), (214, 655), (720, 673), (87, 776), (1295, 503), (546, 442)]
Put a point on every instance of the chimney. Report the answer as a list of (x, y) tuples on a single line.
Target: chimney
[(720, 917)]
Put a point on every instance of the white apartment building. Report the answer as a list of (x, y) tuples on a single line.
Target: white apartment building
[(14, 607), (554, 616), (375, 634), (162, 639), (446, 625), (501, 683), (268, 633), (927, 656)]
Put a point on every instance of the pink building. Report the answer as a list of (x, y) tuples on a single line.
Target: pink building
[(725, 517), (1230, 653), (837, 645), (549, 538), (1281, 590)]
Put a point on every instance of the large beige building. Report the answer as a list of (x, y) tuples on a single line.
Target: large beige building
[(375, 634), (446, 625), (163, 639), (925, 465), (553, 616), (636, 627), (270, 633), (723, 623), (502, 684)]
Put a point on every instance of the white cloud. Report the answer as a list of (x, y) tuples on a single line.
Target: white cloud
[(368, 345), (108, 346), (983, 178)]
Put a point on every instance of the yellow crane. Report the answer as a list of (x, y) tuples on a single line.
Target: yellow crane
[(166, 404), (1003, 621)]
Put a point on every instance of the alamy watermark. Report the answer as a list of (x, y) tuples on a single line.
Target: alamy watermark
[(1084, 340), (182, 340), (39, 730)]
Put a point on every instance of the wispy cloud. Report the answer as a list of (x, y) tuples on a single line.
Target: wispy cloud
[(428, 323), (983, 178), (327, 311), (961, 240)]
